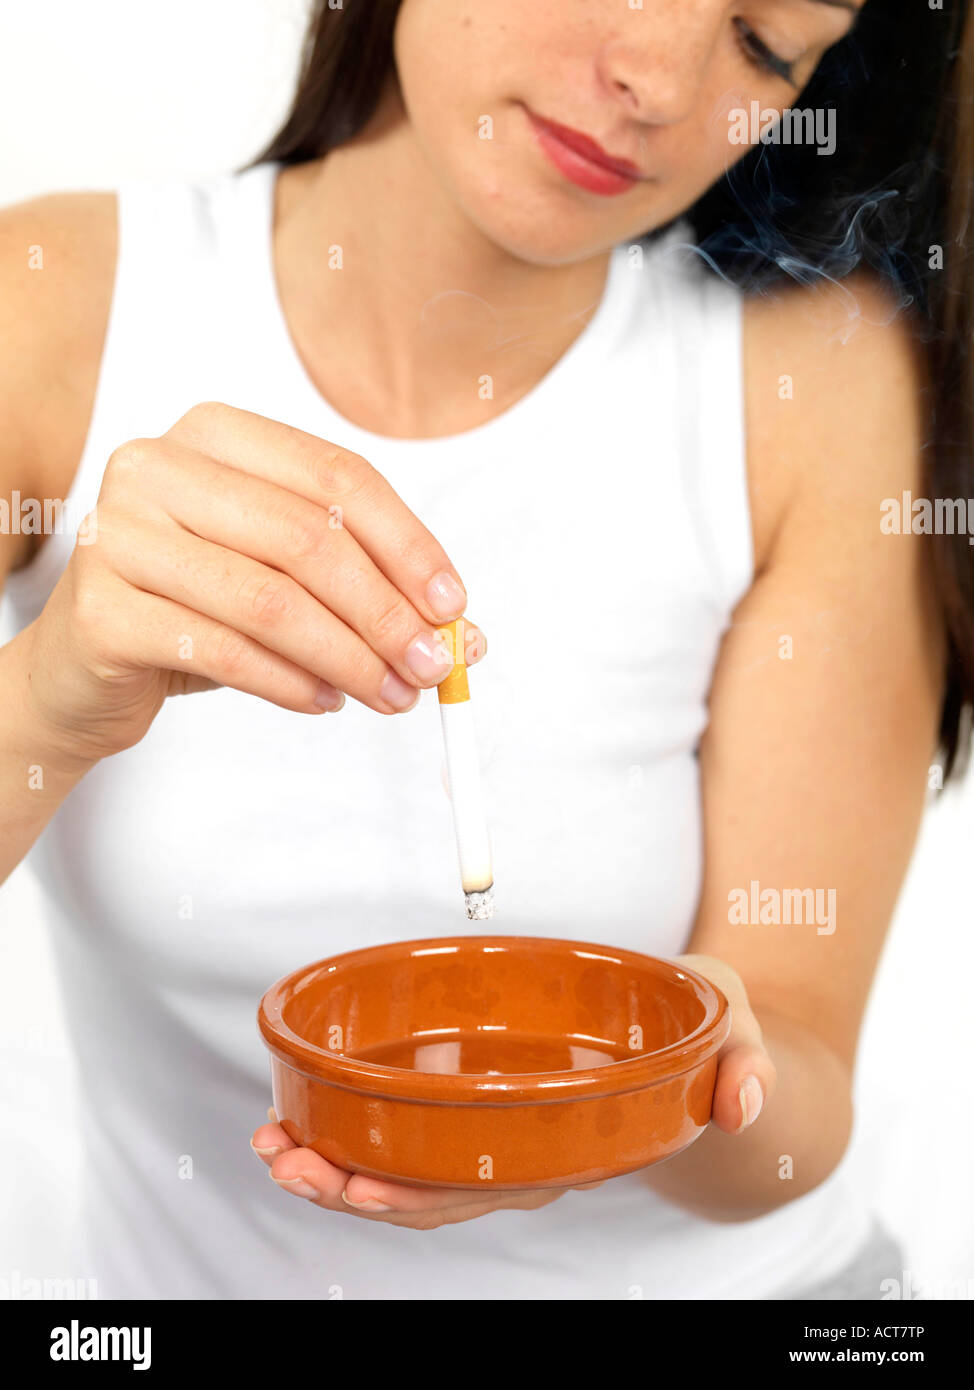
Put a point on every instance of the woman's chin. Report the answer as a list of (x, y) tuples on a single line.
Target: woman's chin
[(545, 236), (544, 226)]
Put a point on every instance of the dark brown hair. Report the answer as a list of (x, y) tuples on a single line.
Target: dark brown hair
[(948, 465), (899, 184), (347, 57)]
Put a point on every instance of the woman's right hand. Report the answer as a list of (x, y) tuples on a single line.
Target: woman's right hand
[(237, 551)]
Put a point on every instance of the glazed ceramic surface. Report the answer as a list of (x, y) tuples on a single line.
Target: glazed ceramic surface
[(491, 1061)]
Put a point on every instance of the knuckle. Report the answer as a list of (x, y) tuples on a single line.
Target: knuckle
[(229, 654), (200, 423), (419, 553), (204, 413), (130, 458), (360, 670), (266, 601), (306, 536), (388, 621), (336, 471)]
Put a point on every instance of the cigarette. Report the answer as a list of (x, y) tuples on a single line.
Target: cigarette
[(463, 777)]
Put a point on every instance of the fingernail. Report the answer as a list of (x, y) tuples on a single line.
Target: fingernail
[(298, 1186), (752, 1098), (370, 1204), (265, 1153), (446, 596), (397, 693), (327, 697), (272, 1115), (429, 660)]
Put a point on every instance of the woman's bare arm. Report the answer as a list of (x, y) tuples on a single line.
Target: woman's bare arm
[(57, 259), (231, 550), (823, 725)]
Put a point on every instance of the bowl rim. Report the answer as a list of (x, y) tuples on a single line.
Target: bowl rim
[(400, 1083)]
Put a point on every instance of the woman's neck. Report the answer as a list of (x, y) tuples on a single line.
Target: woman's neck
[(399, 306)]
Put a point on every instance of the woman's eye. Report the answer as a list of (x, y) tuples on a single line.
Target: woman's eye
[(760, 55)]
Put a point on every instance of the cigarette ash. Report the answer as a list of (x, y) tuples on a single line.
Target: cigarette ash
[(480, 906)]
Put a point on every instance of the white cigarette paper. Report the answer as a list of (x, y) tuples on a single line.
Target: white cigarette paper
[(465, 785)]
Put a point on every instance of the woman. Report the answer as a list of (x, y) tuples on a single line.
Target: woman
[(425, 348)]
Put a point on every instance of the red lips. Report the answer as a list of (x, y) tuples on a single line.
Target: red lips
[(582, 159)]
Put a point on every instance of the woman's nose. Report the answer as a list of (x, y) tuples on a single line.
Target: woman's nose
[(655, 62)]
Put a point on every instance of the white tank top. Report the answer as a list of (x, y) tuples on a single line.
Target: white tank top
[(238, 841)]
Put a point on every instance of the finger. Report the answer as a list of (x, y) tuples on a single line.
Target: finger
[(745, 1083), (431, 1217), (371, 1194), (270, 1140), (168, 636), (282, 529), (261, 603), (330, 476), (746, 1073), (304, 1173)]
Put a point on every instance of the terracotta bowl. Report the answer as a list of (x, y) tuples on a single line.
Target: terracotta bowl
[(493, 1061)]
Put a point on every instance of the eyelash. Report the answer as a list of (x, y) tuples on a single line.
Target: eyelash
[(760, 55)]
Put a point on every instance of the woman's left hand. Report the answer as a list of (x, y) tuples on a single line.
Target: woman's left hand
[(745, 1080), (745, 1074)]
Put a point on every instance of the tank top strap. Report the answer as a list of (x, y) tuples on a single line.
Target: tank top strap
[(702, 319)]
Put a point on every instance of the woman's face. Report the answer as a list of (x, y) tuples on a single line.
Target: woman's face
[(562, 127)]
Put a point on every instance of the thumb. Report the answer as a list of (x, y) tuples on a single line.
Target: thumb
[(746, 1075)]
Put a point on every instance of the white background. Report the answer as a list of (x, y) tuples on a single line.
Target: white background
[(93, 93)]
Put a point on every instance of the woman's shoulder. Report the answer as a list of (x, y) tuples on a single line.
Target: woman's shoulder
[(57, 268), (833, 386)]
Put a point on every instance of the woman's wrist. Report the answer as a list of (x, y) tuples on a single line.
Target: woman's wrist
[(39, 766), (49, 757), (796, 1143)]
